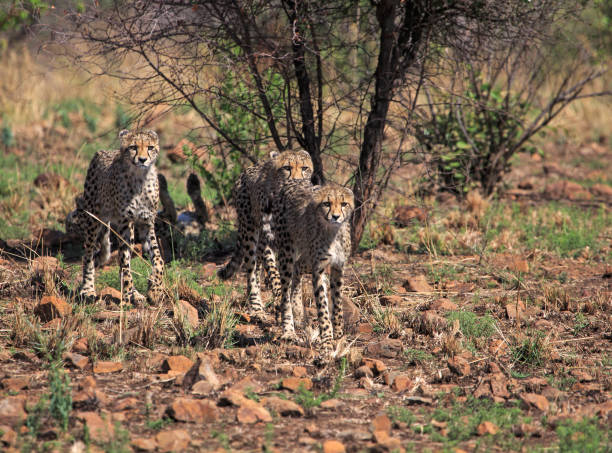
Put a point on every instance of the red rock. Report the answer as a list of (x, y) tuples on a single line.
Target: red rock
[(127, 403), (252, 412), (582, 376), (331, 404), (100, 429), (459, 366), (232, 397), (88, 382), (183, 310), (202, 388), (567, 189), (143, 444), (333, 446), (387, 442), (405, 215), (175, 440), (388, 348), (487, 428), (286, 408), (391, 300), (177, 363), (443, 305), (499, 385), (299, 371), (77, 360), (192, 410), (110, 294), (107, 367), (80, 346), (50, 180), (518, 265), (377, 366), (365, 328), (44, 263), (293, 383), (15, 384), (363, 371), (9, 436), (417, 284), (381, 423), (533, 399), (401, 383), (177, 154), (511, 309), (51, 307), (208, 270), (12, 410), (601, 190)]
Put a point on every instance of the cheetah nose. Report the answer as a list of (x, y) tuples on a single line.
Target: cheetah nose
[(142, 160), (335, 216)]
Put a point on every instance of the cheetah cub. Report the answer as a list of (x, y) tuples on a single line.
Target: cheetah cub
[(312, 230), (121, 187), (254, 193)]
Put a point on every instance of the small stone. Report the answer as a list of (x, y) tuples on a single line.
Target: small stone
[(388, 348), (9, 436), (100, 430), (299, 371), (443, 305), (511, 309), (15, 384), (499, 385), (44, 263), (381, 423), (365, 328), (538, 401), (143, 444), (186, 312), (51, 307), (363, 371), (76, 360), (12, 410), (294, 383), (391, 300), (127, 403), (459, 366), (601, 190), (417, 284), (582, 376), (333, 446), (252, 412), (401, 383), (405, 215), (518, 265), (178, 363), (202, 388), (377, 366), (286, 408), (81, 346), (192, 410), (331, 404), (175, 440), (110, 294), (487, 428), (231, 397), (107, 367)]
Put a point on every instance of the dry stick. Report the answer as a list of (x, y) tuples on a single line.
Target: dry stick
[(569, 340)]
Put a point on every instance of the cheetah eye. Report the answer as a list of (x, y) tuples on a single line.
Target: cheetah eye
[(151, 148), (305, 169), (132, 148), (326, 204), (344, 204), (287, 168)]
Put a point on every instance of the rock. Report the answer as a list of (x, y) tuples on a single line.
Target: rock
[(143, 444), (333, 446), (443, 305), (331, 404), (15, 384), (231, 397), (363, 371), (511, 310), (299, 371), (76, 360), (377, 366), (401, 383), (567, 189), (499, 385), (110, 294), (365, 328), (192, 410), (50, 180), (81, 346), (293, 383), (459, 366), (405, 215), (42, 264), (388, 348), (252, 412), (582, 376), (202, 388), (387, 442), (417, 284), (381, 422), (9, 436), (247, 383), (177, 363), (12, 410), (201, 371), (286, 408), (100, 429), (127, 403), (107, 367), (601, 190), (175, 440), (533, 399), (186, 312), (391, 300), (518, 265), (352, 315), (487, 428), (51, 307)]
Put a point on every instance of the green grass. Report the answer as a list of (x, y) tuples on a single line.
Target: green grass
[(400, 414), (417, 355), (473, 327), (141, 269), (583, 436), (307, 399), (529, 352)]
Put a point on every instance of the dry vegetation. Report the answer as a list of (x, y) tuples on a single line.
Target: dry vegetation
[(480, 326)]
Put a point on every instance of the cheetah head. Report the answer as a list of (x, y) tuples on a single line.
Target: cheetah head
[(141, 148), (334, 204), (292, 164)]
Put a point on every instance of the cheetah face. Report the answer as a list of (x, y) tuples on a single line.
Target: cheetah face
[(293, 164), (334, 204), (140, 148)]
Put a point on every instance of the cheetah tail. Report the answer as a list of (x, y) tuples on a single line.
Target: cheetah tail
[(232, 266)]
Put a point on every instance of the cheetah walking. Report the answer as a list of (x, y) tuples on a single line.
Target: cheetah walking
[(254, 192), (312, 230), (121, 187)]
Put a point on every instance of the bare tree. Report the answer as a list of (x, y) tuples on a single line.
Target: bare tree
[(292, 70)]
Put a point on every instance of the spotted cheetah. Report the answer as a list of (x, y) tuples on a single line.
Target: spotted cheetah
[(312, 230), (121, 187), (253, 194)]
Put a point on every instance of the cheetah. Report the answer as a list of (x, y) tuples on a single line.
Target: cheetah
[(121, 187), (254, 191), (311, 231)]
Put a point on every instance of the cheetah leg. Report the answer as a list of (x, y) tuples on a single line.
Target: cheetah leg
[(336, 296), (91, 229), (320, 293), (155, 291), (129, 293), (286, 279), (296, 296), (102, 257), (252, 268), (269, 264)]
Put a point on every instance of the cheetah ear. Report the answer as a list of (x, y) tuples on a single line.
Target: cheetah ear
[(316, 188), (123, 134), (274, 154), (151, 133)]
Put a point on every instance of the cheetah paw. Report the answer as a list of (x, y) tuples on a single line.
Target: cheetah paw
[(135, 298), (87, 295), (155, 295), (289, 337), (325, 355)]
